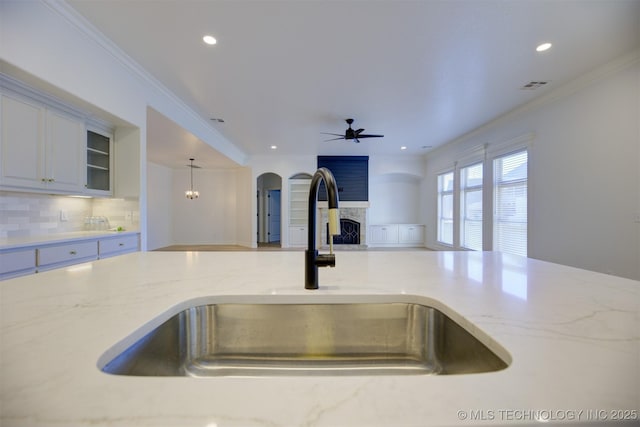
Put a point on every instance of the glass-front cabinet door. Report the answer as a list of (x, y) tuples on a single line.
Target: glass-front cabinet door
[(99, 161)]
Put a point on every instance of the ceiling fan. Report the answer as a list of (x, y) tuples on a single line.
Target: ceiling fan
[(351, 134)]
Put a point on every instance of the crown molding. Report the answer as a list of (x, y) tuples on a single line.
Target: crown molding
[(563, 91), (72, 16), (78, 21)]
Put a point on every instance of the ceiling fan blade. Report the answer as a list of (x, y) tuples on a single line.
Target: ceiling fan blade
[(334, 134), (359, 130), (334, 139), (370, 136)]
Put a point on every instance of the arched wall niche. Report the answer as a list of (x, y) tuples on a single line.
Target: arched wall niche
[(395, 198)]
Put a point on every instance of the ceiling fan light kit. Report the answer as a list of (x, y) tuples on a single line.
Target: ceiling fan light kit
[(351, 134)]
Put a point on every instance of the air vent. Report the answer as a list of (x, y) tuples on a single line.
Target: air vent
[(534, 85)]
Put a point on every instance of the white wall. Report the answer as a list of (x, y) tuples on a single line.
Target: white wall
[(394, 199), (244, 214), (584, 183), (219, 216), (210, 219), (160, 210), (394, 189)]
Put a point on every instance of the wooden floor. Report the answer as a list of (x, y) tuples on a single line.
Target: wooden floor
[(262, 247), (225, 248)]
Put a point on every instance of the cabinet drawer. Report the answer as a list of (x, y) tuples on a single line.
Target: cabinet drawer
[(118, 244), (16, 261), (67, 253)]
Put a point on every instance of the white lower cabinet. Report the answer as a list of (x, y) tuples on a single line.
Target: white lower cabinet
[(381, 235), (16, 263), (298, 236), (112, 246), (40, 257), (396, 235), (61, 255), (411, 234)]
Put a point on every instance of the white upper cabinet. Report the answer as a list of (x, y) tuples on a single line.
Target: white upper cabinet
[(65, 142), (22, 143), (42, 148)]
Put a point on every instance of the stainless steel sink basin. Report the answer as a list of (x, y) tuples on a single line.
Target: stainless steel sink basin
[(307, 336)]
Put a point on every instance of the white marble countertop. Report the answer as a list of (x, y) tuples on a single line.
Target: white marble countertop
[(45, 239), (573, 337)]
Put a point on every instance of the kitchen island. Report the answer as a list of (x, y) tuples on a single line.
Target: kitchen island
[(571, 337)]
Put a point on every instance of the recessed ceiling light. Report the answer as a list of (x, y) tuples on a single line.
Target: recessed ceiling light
[(543, 47), (209, 40), (404, 147), (274, 147)]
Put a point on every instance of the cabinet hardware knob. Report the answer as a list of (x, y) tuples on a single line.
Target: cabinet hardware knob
[(72, 252), (120, 244)]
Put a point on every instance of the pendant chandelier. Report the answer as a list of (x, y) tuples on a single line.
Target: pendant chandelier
[(191, 193)]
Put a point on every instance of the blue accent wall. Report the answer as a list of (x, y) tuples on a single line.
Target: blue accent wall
[(351, 174)]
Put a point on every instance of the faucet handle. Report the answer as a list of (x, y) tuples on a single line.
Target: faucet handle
[(326, 260)]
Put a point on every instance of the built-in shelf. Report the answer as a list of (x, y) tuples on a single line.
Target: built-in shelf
[(97, 167), (93, 150), (298, 211)]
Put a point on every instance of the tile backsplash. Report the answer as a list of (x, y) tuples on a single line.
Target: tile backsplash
[(26, 214)]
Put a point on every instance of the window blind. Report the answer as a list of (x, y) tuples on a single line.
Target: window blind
[(510, 203), (471, 207)]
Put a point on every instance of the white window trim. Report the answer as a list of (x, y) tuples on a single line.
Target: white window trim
[(486, 154), (519, 143), (481, 187), (452, 170), (472, 156), (495, 150)]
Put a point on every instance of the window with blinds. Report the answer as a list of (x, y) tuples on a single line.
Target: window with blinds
[(471, 207), (510, 203), (445, 208)]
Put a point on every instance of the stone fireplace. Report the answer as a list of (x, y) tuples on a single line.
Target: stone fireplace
[(353, 225)]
